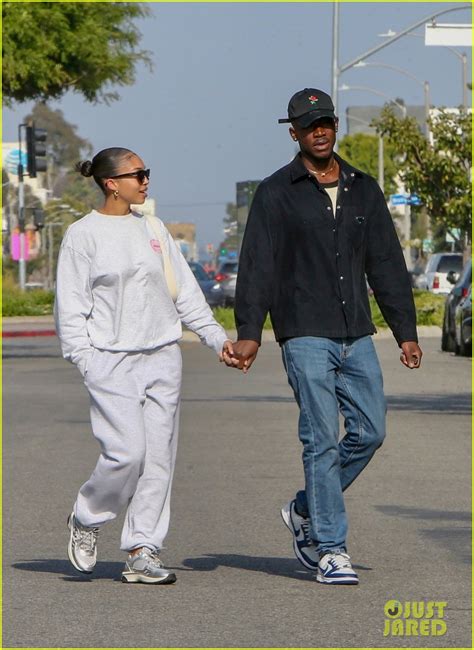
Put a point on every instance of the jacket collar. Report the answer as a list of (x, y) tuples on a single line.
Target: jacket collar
[(298, 170)]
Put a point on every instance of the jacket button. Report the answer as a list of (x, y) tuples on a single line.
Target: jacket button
[(346, 189), (341, 277), (328, 208), (343, 302), (338, 207), (352, 174)]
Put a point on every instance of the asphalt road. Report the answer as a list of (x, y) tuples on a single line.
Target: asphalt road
[(239, 584)]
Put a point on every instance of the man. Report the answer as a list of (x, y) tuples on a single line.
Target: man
[(316, 228)]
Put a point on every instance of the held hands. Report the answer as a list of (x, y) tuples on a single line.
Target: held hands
[(239, 355), (411, 354)]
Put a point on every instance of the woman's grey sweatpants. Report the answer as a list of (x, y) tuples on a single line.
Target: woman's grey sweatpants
[(135, 418)]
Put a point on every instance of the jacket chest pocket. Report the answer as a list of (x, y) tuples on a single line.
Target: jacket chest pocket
[(356, 227)]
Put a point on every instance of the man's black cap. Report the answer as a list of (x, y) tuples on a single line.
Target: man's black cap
[(308, 105)]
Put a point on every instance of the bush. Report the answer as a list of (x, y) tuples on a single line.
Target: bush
[(25, 303), (429, 307)]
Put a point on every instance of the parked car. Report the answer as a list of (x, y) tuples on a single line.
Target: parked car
[(434, 278), (463, 318), (461, 282), (211, 289), (227, 277)]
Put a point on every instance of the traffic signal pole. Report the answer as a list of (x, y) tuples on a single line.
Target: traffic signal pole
[(21, 220), (36, 162)]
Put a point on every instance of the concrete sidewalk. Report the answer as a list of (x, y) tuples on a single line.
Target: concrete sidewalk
[(19, 326)]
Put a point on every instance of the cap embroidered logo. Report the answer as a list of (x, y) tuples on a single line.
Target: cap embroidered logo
[(313, 99)]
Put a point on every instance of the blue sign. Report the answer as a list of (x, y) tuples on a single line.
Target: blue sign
[(398, 199), (403, 199), (414, 199), (13, 158)]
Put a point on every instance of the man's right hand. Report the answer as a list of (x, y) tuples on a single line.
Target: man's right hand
[(245, 353)]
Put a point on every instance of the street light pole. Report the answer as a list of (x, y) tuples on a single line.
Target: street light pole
[(335, 54), (424, 84), (337, 71), (368, 89)]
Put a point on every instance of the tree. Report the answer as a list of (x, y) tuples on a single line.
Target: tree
[(231, 241), (438, 171), (52, 47), (361, 151)]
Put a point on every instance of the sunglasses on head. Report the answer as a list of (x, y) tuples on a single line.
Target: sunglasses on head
[(140, 175)]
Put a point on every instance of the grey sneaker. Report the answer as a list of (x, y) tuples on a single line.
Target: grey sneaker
[(336, 569), (146, 566), (82, 547), (303, 545)]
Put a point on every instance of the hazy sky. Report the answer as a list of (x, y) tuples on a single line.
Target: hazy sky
[(206, 116)]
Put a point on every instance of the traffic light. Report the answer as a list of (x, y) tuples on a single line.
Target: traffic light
[(35, 150), (38, 218)]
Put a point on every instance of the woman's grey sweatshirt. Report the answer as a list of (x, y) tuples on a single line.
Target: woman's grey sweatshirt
[(111, 291)]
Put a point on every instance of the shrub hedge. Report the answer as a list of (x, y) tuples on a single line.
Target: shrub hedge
[(430, 307)]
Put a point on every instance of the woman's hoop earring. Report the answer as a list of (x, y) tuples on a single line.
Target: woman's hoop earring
[(116, 194)]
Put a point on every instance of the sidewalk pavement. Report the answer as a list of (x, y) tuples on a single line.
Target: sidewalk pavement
[(18, 326)]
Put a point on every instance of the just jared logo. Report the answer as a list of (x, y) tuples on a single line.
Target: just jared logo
[(414, 618)]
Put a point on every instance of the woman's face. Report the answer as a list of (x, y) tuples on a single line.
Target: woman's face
[(130, 187)]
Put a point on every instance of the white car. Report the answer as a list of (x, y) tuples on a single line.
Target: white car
[(434, 278)]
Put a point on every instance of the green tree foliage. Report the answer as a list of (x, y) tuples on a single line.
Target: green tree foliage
[(52, 47), (438, 172), (362, 151), (231, 241)]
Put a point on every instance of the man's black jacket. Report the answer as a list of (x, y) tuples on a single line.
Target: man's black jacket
[(308, 268)]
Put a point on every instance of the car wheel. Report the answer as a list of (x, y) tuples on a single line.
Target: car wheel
[(465, 350), (448, 342)]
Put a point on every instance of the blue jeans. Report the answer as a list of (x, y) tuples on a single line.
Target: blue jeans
[(327, 376)]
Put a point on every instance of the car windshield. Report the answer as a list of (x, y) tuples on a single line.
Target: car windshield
[(199, 272), (450, 263)]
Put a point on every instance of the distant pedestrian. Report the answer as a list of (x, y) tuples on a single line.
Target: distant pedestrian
[(315, 228), (123, 289)]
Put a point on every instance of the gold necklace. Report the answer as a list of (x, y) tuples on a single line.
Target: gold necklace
[(328, 171)]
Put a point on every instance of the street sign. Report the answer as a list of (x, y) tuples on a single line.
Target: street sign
[(452, 235), (403, 199), (414, 199), (427, 245), (13, 158), (398, 199), (448, 34)]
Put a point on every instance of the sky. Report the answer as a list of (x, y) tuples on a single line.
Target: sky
[(206, 116)]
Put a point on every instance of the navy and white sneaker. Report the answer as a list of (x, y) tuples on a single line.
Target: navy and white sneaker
[(303, 545), (336, 569)]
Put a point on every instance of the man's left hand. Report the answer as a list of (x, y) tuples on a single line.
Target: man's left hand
[(411, 354)]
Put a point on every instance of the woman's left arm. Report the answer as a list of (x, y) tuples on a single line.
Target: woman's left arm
[(191, 304)]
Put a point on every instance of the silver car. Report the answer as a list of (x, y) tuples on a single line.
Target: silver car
[(227, 278), (434, 278)]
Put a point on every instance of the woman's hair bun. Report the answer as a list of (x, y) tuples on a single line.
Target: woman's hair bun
[(84, 167)]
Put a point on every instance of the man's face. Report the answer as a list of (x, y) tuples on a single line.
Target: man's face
[(316, 141)]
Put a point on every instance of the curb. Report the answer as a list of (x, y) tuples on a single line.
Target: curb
[(26, 326)]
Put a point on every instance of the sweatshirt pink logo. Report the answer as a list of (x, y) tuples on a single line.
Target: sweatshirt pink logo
[(155, 244)]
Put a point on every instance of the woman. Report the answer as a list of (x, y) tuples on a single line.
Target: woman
[(118, 321)]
